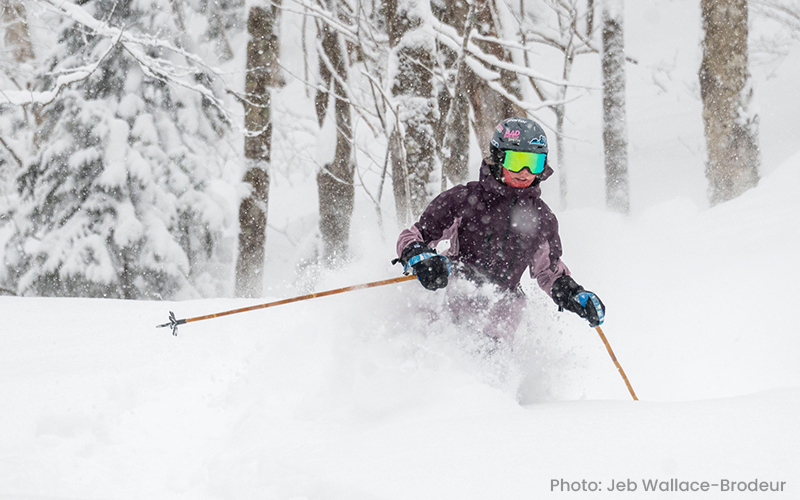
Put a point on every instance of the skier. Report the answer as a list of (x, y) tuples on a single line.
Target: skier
[(497, 227)]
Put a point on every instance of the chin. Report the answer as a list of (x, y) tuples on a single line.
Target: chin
[(520, 184)]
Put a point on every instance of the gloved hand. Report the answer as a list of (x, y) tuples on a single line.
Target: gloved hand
[(431, 268), (571, 296)]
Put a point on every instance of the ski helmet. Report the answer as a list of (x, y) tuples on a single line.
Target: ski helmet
[(517, 134)]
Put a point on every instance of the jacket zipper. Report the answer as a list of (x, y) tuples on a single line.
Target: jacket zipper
[(505, 239)]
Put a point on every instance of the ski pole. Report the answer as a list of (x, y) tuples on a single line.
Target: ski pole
[(614, 358), (174, 323)]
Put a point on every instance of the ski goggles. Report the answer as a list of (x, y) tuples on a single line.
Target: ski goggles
[(515, 161)]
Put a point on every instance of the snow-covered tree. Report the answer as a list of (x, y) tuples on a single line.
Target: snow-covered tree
[(455, 126), (261, 74), (731, 128), (615, 131), (413, 141), (119, 199), (493, 89), (335, 179), (557, 25), (15, 72), (15, 25)]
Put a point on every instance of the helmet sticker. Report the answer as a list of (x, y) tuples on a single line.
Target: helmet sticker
[(541, 140), (519, 134)]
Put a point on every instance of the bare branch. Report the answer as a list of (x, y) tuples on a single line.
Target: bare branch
[(781, 12), (11, 152), (453, 40), (23, 97)]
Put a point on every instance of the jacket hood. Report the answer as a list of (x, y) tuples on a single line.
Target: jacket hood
[(491, 184)]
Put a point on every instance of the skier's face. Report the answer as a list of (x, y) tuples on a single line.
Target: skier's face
[(521, 179), (520, 167)]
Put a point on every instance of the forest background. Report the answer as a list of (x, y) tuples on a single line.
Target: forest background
[(139, 139)]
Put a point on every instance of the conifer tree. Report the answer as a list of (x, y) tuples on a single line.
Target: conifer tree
[(118, 200)]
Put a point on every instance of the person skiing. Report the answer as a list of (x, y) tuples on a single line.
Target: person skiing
[(497, 228)]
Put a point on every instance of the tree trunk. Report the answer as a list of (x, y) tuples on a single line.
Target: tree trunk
[(491, 107), (615, 134), (455, 143), (455, 150), (262, 50), (413, 143), (731, 129), (17, 36), (335, 181), (560, 111)]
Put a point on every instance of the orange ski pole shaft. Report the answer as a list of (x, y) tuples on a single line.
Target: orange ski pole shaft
[(614, 359), (174, 323)]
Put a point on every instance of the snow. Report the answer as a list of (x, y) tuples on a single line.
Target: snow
[(114, 172), (355, 396)]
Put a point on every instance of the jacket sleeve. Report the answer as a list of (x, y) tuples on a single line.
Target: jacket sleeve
[(438, 222), (546, 265)]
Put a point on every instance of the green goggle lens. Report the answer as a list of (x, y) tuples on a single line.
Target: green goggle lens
[(515, 161)]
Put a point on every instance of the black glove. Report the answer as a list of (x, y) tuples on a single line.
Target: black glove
[(431, 268), (571, 296)]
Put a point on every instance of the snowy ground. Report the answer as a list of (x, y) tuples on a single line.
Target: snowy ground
[(355, 397)]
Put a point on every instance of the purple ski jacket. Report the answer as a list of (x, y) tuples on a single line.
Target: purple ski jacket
[(495, 231)]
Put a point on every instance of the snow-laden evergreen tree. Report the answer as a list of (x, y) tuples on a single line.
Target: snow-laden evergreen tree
[(123, 195), (16, 122)]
